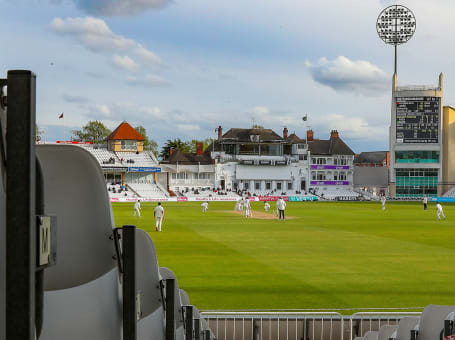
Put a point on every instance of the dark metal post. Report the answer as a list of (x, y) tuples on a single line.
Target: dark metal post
[(170, 309), (207, 334), (20, 206), (197, 329), (395, 59), (129, 282), (189, 322)]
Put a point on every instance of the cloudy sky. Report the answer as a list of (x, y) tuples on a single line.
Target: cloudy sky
[(183, 67)]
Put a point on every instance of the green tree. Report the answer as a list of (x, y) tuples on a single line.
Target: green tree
[(149, 144), (174, 144), (94, 131), (206, 142)]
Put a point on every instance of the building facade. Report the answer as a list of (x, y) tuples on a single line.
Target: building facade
[(416, 143)]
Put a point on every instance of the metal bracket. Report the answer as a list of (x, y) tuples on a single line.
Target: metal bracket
[(46, 239), (116, 236)]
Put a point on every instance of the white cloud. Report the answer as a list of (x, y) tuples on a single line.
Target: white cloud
[(146, 55), (150, 80), (125, 63), (353, 127), (118, 7), (104, 111), (343, 74), (95, 35), (188, 127)]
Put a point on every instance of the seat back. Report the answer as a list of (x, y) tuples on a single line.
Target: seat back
[(371, 335), (148, 283), (81, 299), (405, 326), (166, 273), (386, 331), (432, 321)]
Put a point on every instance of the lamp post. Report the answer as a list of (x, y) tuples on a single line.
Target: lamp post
[(395, 25)]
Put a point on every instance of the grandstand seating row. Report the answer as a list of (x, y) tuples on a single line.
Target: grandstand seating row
[(332, 194), (435, 322), (120, 159), (450, 193), (86, 290), (148, 190)]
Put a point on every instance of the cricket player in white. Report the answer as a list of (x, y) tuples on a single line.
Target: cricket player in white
[(137, 208), (383, 200), (205, 206), (237, 205), (159, 215), (266, 206), (280, 206), (439, 211), (247, 207), (425, 202)]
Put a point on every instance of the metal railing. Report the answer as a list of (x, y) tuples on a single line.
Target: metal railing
[(298, 325)]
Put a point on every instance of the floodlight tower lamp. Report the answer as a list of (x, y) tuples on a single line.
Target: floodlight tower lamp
[(395, 25)]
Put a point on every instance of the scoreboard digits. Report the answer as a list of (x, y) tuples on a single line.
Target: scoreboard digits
[(417, 119)]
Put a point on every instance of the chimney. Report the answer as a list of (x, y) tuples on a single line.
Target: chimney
[(334, 134), (220, 132), (309, 135), (199, 148), (171, 151), (285, 133)]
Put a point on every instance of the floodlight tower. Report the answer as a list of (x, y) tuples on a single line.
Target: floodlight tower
[(395, 25)]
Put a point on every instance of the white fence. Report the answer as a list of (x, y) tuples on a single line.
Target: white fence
[(298, 325)]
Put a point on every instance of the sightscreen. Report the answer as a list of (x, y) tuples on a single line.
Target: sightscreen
[(417, 119)]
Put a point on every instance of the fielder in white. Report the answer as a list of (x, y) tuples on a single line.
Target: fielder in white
[(205, 206), (266, 206), (137, 208), (247, 207), (383, 200), (439, 211), (237, 205), (159, 216)]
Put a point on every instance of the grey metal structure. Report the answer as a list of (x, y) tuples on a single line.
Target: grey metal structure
[(395, 25), (2, 211)]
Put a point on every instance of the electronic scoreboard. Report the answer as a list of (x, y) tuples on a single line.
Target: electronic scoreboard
[(417, 119)]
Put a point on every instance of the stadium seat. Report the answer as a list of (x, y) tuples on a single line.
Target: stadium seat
[(431, 324), (166, 273), (371, 335), (81, 298), (148, 283), (204, 324), (405, 326), (386, 332)]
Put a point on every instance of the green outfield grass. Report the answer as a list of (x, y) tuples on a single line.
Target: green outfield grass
[(331, 255)]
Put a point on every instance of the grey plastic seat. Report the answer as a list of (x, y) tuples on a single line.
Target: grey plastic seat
[(432, 321), (148, 279), (386, 332), (371, 335), (204, 324), (81, 298), (166, 273), (405, 326)]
